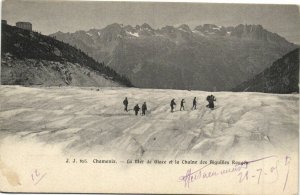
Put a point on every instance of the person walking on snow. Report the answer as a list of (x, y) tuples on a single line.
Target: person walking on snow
[(194, 104), (144, 108), (182, 104), (136, 109), (125, 102), (172, 104), (211, 100)]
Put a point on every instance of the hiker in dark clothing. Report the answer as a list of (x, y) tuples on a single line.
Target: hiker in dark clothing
[(136, 109), (182, 104), (125, 102), (211, 100), (144, 108), (194, 104), (172, 104)]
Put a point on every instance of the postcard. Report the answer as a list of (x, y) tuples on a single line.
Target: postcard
[(149, 97)]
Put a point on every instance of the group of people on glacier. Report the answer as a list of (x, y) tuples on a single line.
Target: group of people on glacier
[(136, 108), (210, 99)]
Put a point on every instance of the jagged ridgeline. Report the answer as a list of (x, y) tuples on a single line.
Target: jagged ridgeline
[(208, 57), (281, 77), (30, 58)]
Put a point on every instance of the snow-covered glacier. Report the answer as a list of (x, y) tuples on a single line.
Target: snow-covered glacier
[(92, 121)]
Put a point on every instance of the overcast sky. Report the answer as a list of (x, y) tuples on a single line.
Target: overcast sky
[(52, 16)]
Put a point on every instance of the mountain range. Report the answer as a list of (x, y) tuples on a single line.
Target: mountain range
[(30, 58), (208, 57)]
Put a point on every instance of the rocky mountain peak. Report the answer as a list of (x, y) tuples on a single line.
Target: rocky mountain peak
[(114, 26), (211, 29), (137, 27), (256, 32), (168, 29), (129, 28), (112, 32), (146, 26), (184, 27)]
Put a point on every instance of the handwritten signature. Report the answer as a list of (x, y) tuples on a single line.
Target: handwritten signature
[(36, 176), (242, 171)]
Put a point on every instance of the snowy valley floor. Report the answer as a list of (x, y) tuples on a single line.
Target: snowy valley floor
[(87, 121)]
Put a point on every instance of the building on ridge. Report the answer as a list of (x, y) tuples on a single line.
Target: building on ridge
[(24, 25)]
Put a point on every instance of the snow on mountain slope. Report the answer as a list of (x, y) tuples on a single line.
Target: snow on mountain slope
[(204, 58), (91, 121)]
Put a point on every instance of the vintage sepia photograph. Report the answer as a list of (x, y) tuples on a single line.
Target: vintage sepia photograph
[(149, 97)]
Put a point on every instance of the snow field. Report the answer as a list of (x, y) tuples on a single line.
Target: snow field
[(92, 122)]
